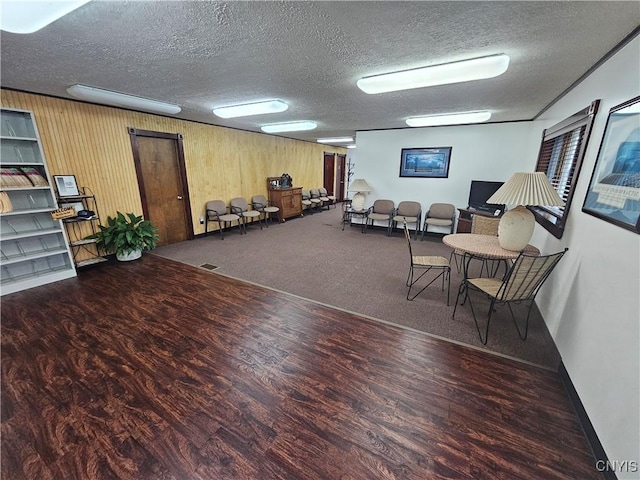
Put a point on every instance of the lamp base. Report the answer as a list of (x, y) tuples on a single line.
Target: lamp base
[(357, 203), (515, 229)]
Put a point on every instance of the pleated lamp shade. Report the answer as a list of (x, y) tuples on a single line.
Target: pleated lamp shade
[(516, 225)]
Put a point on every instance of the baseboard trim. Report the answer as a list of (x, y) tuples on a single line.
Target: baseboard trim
[(599, 455)]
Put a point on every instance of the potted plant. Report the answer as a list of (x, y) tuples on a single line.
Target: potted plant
[(126, 235)]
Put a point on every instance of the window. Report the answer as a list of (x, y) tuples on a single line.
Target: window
[(560, 158)]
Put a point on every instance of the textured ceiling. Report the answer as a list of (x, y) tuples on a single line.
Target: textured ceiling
[(201, 55)]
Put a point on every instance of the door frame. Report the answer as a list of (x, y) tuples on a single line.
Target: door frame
[(182, 170)]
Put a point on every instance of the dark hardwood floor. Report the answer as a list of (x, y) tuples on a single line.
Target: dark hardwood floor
[(157, 370)]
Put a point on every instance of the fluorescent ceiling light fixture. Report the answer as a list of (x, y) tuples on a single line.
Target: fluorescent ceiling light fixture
[(351, 146), (289, 127), (335, 140), (257, 108), (455, 72), (30, 16), (108, 97), (449, 119)]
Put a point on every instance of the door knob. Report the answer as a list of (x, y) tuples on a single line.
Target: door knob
[(179, 197)]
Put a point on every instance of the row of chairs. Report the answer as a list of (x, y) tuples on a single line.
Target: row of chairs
[(260, 210), (439, 214), (239, 211), (317, 198)]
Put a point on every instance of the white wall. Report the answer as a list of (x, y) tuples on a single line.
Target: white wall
[(591, 305), (480, 152)]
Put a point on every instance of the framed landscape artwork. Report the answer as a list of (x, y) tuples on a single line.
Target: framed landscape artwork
[(614, 191), (431, 162)]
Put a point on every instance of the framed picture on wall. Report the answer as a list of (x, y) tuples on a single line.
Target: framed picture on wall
[(431, 162), (614, 191), (66, 185)]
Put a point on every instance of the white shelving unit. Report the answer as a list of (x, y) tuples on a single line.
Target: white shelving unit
[(33, 247)]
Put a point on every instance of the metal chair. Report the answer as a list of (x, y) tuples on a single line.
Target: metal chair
[(520, 284), (440, 215), (262, 205), (480, 225), (381, 210), (240, 207), (216, 211), (407, 212), (426, 263)]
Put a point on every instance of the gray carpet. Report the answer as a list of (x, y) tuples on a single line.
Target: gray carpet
[(313, 258)]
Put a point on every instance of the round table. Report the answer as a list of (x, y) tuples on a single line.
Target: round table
[(485, 246)]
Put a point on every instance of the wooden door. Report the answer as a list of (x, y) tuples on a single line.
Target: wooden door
[(159, 160), (341, 163), (329, 172)]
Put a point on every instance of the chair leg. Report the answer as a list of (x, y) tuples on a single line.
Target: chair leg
[(220, 228), (523, 336), (473, 312), (412, 282)]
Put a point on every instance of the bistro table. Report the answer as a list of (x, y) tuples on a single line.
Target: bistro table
[(483, 247)]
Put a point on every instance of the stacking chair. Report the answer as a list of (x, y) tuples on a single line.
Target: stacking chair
[(314, 196), (520, 284), (326, 198), (440, 215), (381, 210), (306, 200), (262, 205), (216, 211), (240, 207), (426, 263), (407, 212)]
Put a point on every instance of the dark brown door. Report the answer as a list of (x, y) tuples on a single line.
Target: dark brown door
[(341, 161), (159, 160), (329, 167)]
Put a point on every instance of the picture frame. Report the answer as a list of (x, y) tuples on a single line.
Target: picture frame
[(66, 185), (428, 162), (614, 189)]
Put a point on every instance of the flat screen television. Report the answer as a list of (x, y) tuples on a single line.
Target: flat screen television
[(480, 192)]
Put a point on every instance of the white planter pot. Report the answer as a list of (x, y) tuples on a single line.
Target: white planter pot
[(129, 256)]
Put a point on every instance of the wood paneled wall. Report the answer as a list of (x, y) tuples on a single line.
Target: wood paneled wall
[(92, 143)]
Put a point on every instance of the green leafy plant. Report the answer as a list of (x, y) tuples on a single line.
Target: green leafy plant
[(126, 233)]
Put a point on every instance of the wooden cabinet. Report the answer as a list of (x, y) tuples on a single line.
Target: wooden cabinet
[(288, 200), (34, 248)]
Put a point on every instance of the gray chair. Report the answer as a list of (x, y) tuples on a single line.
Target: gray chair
[(240, 207), (426, 263), (314, 196), (520, 285), (381, 210), (306, 200), (327, 199), (216, 211), (407, 212), (262, 205), (440, 215)]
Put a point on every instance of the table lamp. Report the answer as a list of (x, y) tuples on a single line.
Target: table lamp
[(360, 186), (522, 189)]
